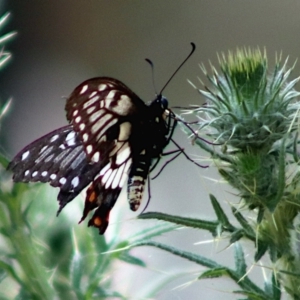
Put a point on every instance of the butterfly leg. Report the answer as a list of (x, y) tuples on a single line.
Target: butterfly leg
[(178, 152), (186, 156)]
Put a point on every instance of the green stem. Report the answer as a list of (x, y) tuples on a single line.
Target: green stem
[(35, 276), (276, 228)]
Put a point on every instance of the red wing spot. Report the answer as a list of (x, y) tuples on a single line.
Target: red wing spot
[(97, 222), (92, 197)]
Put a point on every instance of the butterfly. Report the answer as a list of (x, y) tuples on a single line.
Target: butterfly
[(113, 138)]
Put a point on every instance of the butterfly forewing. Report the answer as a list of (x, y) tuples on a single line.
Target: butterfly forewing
[(103, 109), (57, 158)]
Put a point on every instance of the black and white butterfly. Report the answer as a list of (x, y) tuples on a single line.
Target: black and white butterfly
[(113, 137)]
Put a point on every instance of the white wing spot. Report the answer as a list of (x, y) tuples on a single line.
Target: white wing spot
[(62, 146), (75, 113), (125, 173), (104, 169), (63, 180), (43, 149), (124, 105), (89, 149), (53, 176), (78, 119), (34, 173), (118, 176), (75, 181), (125, 129), (143, 152), (90, 110), (70, 139), (96, 115), (111, 94), (96, 157), (81, 126), (85, 137), (90, 102), (157, 119), (105, 128), (123, 156), (102, 87), (84, 89), (26, 172), (25, 155), (44, 173), (92, 94), (106, 176), (54, 138)]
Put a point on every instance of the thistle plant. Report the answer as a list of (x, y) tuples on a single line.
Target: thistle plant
[(251, 118)]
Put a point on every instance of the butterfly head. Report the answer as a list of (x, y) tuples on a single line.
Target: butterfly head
[(159, 105), (163, 102)]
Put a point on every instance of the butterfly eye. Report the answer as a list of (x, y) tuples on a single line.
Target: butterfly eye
[(164, 102)]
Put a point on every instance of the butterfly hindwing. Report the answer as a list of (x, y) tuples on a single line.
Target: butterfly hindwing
[(104, 191)]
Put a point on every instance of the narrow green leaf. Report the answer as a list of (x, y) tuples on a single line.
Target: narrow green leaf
[(274, 253), (133, 260), (6, 37), (4, 18), (295, 152), (239, 259), (236, 236), (249, 232), (4, 58), (214, 273), (188, 222), (10, 270), (262, 247), (290, 273), (201, 260), (76, 270), (252, 295), (272, 288), (220, 213), (260, 215)]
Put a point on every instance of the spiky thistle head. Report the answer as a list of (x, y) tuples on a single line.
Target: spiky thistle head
[(247, 107)]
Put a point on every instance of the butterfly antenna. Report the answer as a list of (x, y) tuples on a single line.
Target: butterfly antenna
[(152, 70), (192, 51)]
